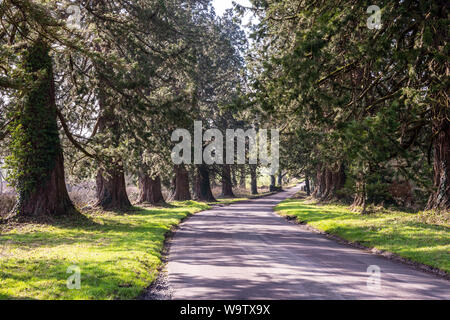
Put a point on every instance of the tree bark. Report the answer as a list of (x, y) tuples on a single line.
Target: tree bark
[(307, 187), (233, 176), (440, 199), (273, 186), (272, 181), (361, 195), (439, 70), (202, 185), (227, 187), (41, 183), (50, 198), (111, 190), (150, 190), (214, 183), (182, 192), (254, 179), (334, 181), (280, 179), (329, 182), (320, 184), (242, 182), (111, 186)]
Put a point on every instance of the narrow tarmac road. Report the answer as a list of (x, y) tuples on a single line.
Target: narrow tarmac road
[(246, 251)]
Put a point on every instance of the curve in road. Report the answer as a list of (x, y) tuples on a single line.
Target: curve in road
[(247, 252)]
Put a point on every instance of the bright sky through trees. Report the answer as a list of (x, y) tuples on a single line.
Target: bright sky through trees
[(222, 5)]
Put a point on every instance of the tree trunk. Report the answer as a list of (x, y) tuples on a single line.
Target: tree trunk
[(182, 192), (307, 187), (440, 199), (254, 179), (202, 185), (439, 88), (111, 190), (214, 183), (111, 186), (334, 181), (272, 181), (50, 198), (40, 181), (150, 190), (233, 176), (280, 179), (359, 200), (242, 183), (329, 182), (272, 187), (361, 195), (227, 187), (320, 184), (193, 178), (328, 178)]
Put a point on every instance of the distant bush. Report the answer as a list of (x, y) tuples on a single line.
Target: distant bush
[(82, 197), (85, 195), (133, 193)]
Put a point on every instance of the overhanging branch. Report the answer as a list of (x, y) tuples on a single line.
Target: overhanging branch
[(337, 71), (71, 138)]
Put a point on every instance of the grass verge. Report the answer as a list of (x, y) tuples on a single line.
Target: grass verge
[(408, 235), (118, 254)]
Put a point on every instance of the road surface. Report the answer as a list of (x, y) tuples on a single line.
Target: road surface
[(247, 252)]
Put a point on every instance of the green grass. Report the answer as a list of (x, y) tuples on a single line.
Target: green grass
[(118, 254), (402, 233)]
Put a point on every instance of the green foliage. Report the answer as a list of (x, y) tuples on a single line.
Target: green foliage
[(127, 77), (351, 95)]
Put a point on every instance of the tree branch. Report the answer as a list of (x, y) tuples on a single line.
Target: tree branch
[(70, 136), (337, 71)]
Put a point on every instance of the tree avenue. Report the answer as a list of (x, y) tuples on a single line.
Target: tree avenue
[(92, 91), (367, 107)]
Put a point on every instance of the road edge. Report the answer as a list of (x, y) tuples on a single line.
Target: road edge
[(159, 289), (371, 250)]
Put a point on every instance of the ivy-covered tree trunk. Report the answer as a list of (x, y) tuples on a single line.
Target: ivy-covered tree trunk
[(227, 187), (253, 179), (50, 197), (150, 190), (202, 185), (36, 159), (182, 192), (440, 199)]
